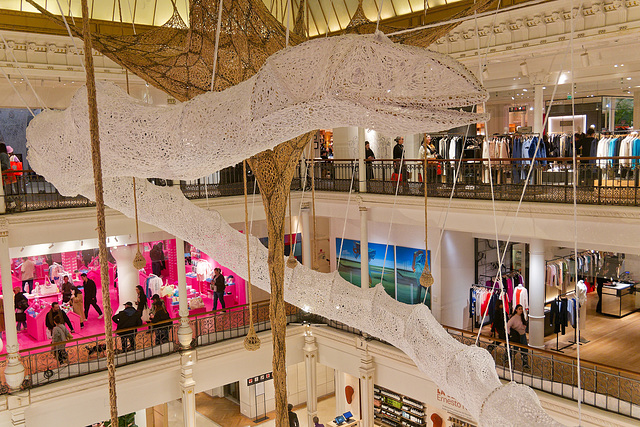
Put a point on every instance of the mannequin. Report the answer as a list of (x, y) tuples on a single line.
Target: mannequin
[(581, 291), (521, 296)]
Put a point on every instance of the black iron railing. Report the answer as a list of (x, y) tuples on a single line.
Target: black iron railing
[(77, 357), (600, 181)]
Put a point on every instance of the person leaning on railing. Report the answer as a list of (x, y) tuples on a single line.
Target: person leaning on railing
[(161, 322), (126, 319)]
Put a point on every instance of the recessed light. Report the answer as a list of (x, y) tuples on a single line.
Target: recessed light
[(628, 78)]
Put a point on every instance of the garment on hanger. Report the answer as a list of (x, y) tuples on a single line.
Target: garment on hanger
[(521, 296), (153, 285), (203, 270)]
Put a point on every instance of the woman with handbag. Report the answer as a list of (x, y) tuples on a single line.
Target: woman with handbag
[(517, 330), (21, 304), (60, 333)]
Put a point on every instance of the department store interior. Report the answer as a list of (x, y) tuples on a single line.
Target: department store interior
[(535, 207)]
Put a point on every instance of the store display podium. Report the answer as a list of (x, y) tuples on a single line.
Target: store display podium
[(36, 326), (354, 423), (619, 299)]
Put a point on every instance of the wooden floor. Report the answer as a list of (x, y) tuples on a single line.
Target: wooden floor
[(226, 413), (612, 341)]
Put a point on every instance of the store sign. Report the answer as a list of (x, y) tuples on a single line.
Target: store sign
[(525, 129), (451, 405), (564, 123), (259, 378)]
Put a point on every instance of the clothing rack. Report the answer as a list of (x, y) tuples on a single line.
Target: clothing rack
[(476, 285), (558, 348)]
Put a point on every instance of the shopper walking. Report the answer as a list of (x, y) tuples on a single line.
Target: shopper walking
[(60, 334), (90, 299), (369, 157), (66, 288), (53, 312), (157, 259), (27, 271), (161, 322), (293, 417), (21, 304), (517, 330), (399, 159), (141, 304), (125, 319), (218, 288), (77, 304)]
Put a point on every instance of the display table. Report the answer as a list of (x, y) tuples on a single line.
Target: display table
[(48, 298), (619, 299), (354, 423), (36, 326)]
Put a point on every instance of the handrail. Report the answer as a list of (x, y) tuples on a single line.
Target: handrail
[(544, 351), (493, 159)]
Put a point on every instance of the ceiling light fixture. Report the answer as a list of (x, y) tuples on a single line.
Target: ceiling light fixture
[(485, 73), (524, 69)]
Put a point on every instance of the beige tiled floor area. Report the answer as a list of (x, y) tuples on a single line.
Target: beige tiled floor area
[(221, 412)]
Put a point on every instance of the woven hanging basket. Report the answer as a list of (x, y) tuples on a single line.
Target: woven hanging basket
[(138, 261), (426, 279), (292, 262), (251, 341)]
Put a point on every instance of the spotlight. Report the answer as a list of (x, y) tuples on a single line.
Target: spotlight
[(81, 242), (22, 249), (524, 68), (50, 246), (485, 73), (115, 238)]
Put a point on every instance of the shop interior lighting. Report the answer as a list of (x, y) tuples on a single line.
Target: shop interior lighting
[(81, 242), (115, 238), (50, 246), (22, 249), (524, 68), (485, 73)]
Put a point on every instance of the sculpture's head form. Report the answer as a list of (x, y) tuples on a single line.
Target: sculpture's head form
[(365, 81)]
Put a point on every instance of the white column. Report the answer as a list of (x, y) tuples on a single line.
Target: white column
[(367, 371), (340, 383), (457, 275), (306, 235), (362, 171), (310, 364), (537, 272), (128, 276), (185, 333), (364, 248), (187, 388), (636, 110), (14, 371), (538, 108)]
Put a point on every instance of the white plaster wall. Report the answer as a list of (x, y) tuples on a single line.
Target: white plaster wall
[(458, 271)]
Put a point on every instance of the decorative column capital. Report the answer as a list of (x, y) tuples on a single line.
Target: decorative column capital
[(538, 78), (4, 227)]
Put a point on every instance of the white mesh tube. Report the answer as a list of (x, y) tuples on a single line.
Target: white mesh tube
[(368, 82)]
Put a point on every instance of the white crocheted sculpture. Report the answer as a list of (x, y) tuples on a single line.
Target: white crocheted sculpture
[(368, 82)]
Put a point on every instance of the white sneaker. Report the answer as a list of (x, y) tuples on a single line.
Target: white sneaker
[(101, 316)]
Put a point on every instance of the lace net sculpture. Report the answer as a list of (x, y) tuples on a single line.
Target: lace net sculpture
[(198, 137), (178, 59)]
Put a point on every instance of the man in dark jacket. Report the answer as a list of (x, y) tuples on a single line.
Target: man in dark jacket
[(293, 417), (53, 312), (90, 299), (218, 288), (66, 288), (125, 319)]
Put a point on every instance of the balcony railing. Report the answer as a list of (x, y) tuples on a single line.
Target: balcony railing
[(87, 355), (615, 390), (600, 181)]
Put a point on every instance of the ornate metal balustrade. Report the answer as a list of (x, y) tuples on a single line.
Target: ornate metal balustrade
[(600, 181), (82, 356), (615, 390)]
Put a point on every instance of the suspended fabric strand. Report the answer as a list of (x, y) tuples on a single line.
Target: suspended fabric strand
[(251, 341), (98, 193)]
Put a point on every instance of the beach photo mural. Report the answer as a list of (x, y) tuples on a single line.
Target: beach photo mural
[(402, 269)]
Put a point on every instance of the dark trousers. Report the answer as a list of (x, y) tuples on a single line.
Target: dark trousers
[(30, 283), (599, 290), (157, 268), (162, 335), (128, 341), (520, 339), (218, 296), (88, 304)]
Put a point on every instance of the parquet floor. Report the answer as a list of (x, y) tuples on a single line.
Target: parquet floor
[(226, 413)]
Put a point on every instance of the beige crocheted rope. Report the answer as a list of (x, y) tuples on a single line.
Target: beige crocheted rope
[(102, 232), (251, 341), (426, 279)]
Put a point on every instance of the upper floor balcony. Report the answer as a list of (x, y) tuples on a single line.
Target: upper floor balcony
[(595, 181)]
